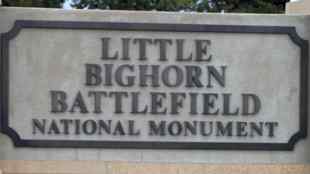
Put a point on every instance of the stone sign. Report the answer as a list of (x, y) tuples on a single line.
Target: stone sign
[(153, 85)]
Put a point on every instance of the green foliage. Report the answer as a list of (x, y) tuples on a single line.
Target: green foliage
[(246, 6), (34, 3), (114, 4), (239, 6), (242, 6), (161, 5), (173, 5), (258, 6)]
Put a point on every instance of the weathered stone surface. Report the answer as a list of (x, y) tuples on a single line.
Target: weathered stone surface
[(66, 51), (298, 7), (96, 167), (248, 67)]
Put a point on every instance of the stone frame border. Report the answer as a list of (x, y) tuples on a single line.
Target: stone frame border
[(159, 27)]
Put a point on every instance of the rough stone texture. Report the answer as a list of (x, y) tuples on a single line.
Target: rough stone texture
[(298, 7), (301, 154), (254, 71), (100, 167)]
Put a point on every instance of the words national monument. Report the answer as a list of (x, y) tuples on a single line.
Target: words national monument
[(226, 86), (136, 86)]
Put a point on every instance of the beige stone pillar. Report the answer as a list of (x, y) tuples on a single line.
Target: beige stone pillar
[(298, 7)]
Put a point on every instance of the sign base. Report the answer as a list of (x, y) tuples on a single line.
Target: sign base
[(102, 167)]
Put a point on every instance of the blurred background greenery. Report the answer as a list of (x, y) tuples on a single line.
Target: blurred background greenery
[(237, 6)]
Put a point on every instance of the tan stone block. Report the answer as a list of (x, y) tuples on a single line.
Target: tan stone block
[(299, 7), (141, 168), (68, 167), (296, 169), (223, 169), (117, 168), (263, 169), (103, 167), (191, 169), (169, 168)]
